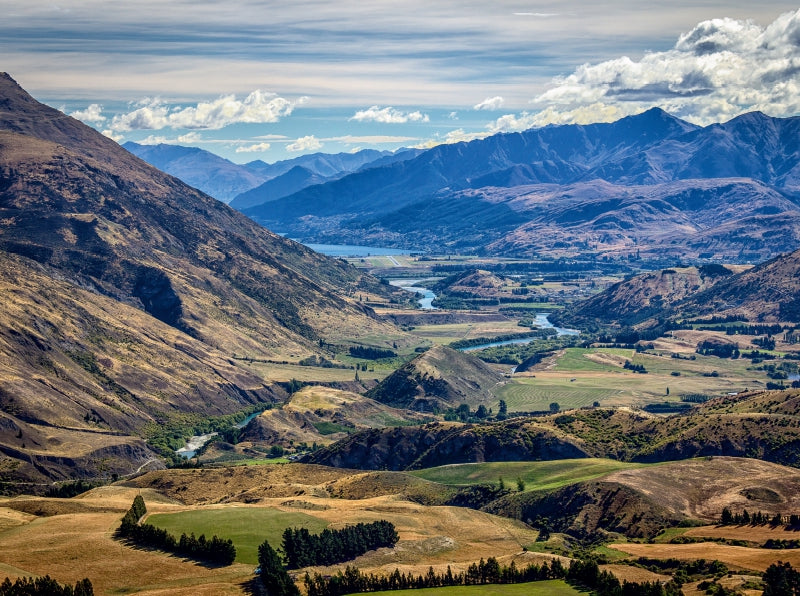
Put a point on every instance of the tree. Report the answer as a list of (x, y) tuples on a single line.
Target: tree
[(273, 575), (502, 410), (481, 412), (554, 407), (520, 484)]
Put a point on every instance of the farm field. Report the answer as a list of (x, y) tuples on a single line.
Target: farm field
[(737, 558), (536, 475), (287, 372), (448, 333), (544, 588), (581, 376), (248, 527)]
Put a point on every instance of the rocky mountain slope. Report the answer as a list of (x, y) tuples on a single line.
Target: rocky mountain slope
[(769, 292), (128, 292), (649, 183)]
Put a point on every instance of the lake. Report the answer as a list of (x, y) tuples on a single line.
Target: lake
[(353, 250)]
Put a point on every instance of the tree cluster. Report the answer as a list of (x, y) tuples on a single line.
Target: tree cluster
[(758, 518), (218, 551), (303, 549), (273, 574), (352, 581), (371, 353), (720, 350), (44, 586), (780, 579), (604, 583), (637, 368)]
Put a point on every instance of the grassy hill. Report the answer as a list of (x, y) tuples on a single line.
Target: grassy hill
[(438, 379), (322, 415), (762, 425)]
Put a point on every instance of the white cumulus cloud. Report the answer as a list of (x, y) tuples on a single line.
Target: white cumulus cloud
[(93, 114), (490, 103), (454, 136), (307, 143), (257, 108), (389, 115), (718, 70), (257, 148)]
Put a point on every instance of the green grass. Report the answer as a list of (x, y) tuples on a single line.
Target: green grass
[(543, 588), (529, 394), (248, 527), (537, 475), (612, 385), (574, 359), (668, 534), (328, 428)]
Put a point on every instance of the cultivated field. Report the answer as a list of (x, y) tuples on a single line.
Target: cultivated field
[(737, 558), (579, 377), (536, 475)]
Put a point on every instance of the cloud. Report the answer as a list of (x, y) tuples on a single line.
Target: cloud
[(257, 108), (490, 103), (307, 143), (257, 148), (454, 136), (370, 139), (190, 137), (389, 115), (719, 69), (91, 115)]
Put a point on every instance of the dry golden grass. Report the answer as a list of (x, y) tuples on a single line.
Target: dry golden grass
[(757, 534), (735, 557), (76, 540), (634, 574), (701, 488)]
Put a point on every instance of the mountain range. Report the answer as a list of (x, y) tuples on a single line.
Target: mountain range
[(241, 184), (768, 292), (649, 184), (127, 295)]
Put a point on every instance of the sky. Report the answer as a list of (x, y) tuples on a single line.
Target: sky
[(269, 80)]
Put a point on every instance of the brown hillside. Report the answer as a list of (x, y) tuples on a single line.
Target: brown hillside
[(322, 415), (438, 379), (128, 293), (638, 298)]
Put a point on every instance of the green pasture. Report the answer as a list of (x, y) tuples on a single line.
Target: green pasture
[(537, 475), (610, 384), (310, 374), (248, 527), (543, 588), (448, 333), (527, 394)]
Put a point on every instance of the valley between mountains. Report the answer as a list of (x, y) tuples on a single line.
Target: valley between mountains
[(607, 377)]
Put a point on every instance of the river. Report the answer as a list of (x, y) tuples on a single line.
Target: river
[(426, 302), (197, 441), (541, 321)]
